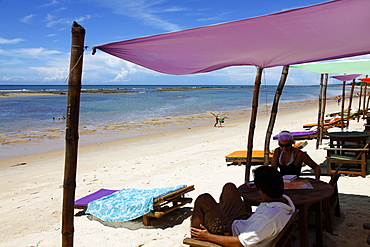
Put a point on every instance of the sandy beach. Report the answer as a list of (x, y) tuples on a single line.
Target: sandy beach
[(31, 185)]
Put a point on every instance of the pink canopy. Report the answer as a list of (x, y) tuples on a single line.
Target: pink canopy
[(324, 31), (346, 77)]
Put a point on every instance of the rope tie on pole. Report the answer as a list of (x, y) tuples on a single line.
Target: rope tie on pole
[(75, 46)]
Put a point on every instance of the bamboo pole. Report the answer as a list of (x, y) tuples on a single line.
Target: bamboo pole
[(350, 102), (252, 125), (342, 110), (321, 130), (274, 111), (73, 109), (359, 104), (364, 102), (367, 106), (319, 123)]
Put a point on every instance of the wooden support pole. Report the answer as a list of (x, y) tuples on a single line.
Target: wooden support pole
[(342, 110), (359, 104), (364, 113), (350, 102), (364, 110), (274, 111), (319, 123), (367, 106), (252, 125), (321, 130), (73, 110)]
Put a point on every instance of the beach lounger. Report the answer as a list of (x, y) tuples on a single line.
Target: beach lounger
[(160, 203), (337, 122), (302, 135), (240, 157), (299, 135)]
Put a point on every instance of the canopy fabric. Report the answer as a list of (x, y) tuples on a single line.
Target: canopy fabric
[(367, 80), (352, 66), (346, 77), (319, 32)]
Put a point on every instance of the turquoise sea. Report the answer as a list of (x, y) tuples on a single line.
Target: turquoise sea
[(20, 114)]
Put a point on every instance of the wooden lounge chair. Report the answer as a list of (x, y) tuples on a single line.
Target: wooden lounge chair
[(299, 135), (177, 198), (351, 156), (337, 122), (240, 157), (283, 239)]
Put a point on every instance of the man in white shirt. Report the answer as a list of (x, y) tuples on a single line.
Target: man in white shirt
[(229, 224)]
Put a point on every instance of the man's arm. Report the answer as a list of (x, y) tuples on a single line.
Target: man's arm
[(203, 234)]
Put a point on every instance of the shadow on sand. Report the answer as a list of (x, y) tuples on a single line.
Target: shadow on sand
[(172, 219)]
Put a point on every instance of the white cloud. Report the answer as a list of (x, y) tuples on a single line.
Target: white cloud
[(145, 11), (214, 18), (83, 18), (52, 21), (27, 19), (51, 3), (34, 52), (11, 41), (49, 74), (49, 17), (5, 78)]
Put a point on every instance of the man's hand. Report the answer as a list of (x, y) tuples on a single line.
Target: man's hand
[(200, 234)]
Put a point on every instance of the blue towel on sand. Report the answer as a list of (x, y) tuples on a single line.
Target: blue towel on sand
[(127, 204)]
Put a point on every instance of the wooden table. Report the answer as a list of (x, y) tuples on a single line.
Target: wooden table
[(348, 139), (302, 199)]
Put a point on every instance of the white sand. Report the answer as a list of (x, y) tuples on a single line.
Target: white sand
[(31, 186)]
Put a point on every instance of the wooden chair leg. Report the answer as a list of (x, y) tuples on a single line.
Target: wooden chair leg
[(363, 165), (328, 222), (146, 220), (337, 210)]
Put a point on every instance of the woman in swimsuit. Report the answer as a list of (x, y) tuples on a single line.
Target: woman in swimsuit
[(219, 119), (289, 160)]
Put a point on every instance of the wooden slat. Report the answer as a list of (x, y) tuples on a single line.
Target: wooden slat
[(199, 243), (177, 192)]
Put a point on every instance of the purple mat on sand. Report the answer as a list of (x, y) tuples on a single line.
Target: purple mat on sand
[(82, 202)]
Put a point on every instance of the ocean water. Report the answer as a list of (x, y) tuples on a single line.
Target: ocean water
[(22, 114)]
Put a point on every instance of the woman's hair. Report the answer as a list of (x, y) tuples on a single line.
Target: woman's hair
[(269, 180)]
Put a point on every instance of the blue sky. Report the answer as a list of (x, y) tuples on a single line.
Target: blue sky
[(35, 39)]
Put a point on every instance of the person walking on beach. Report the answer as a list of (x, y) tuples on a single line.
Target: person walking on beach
[(338, 99), (219, 119), (229, 224)]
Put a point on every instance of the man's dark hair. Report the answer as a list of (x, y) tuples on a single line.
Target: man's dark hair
[(269, 180)]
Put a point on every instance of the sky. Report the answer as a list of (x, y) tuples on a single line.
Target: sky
[(35, 39)]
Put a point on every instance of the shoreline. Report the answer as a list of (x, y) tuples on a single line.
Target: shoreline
[(31, 141), (32, 186)]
